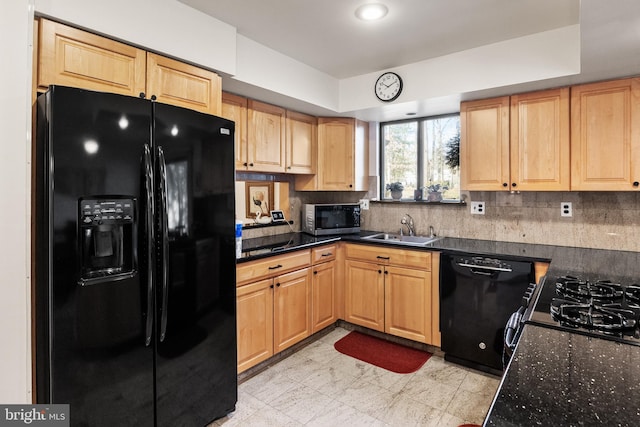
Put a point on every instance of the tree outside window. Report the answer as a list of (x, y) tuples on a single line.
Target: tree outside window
[(422, 154)]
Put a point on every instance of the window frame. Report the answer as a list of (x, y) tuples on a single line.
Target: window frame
[(420, 158)]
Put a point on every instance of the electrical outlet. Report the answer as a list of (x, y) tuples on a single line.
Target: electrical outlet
[(364, 204), (477, 208), (566, 209)]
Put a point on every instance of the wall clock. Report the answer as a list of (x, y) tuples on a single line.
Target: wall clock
[(388, 87)]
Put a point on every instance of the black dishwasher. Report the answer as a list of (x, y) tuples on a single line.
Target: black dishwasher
[(478, 294)]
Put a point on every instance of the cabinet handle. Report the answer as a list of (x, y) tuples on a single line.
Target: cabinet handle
[(245, 164), (288, 167), (636, 183), (315, 272), (278, 284), (275, 267), (504, 184), (251, 164), (327, 254), (350, 185), (271, 286), (142, 95), (382, 257), (386, 272), (513, 184), (379, 271)]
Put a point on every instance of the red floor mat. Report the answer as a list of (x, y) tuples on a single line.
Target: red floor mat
[(384, 354)]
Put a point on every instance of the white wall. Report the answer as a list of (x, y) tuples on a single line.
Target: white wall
[(541, 56), (15, 113)]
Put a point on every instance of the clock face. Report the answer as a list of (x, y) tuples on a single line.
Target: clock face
[(388, 87)]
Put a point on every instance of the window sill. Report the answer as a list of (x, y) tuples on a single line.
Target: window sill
[(421, 202)]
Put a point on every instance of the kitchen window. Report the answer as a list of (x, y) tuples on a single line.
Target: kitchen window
[(421, 154)]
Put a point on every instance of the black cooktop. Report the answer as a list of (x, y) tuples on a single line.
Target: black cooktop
[(600, 307)]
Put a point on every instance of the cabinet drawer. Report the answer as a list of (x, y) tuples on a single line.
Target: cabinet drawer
[(390, 256), (323, 253), (269, 267)]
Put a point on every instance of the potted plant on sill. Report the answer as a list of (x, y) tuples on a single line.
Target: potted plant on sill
[(396, 190), (435, 192)]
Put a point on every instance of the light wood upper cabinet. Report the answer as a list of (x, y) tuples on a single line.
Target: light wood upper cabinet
[(72, 57), (342, 157), (234, 108), (605, 136), (484, 144), (540, 141), (176, 83), (265, 137), (301, 149), (516, 143)]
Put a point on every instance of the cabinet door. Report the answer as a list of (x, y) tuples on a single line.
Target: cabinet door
[(234, 108), (605, 136), (408, 303), (176, 83), (266, 137), (76, 58), (336, 154), (484, 144), (323, 306), (540, 141), (292, 319), (364, 294), (301, 149), (255, 323)]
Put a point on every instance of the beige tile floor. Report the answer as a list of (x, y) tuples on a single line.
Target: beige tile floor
[(318, 386)]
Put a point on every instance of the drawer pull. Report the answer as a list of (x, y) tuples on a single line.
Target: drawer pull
[(275, 267), (382, 257), (327, 254)]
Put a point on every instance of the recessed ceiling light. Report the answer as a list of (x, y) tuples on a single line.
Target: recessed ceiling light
[(371, 11)]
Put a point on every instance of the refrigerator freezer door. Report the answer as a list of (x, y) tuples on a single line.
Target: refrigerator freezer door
[(196, 360), (91, 285)]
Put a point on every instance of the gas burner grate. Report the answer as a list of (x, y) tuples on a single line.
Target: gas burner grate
[(601, 290), (632, 294), (608, 319)]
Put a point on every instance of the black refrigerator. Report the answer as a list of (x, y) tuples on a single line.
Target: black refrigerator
[(134, 260)]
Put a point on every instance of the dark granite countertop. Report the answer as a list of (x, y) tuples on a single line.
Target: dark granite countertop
[(263, 247), (558, 378)]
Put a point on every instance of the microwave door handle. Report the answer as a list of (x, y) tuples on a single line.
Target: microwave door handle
[(149, 225), (165, 242)]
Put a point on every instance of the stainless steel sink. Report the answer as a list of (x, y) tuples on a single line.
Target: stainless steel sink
[(403, 240)]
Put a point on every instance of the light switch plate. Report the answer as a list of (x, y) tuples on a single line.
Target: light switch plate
[(477, 208), (364, 204)]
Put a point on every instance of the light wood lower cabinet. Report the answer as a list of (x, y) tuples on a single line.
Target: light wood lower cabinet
[(390, 290), (273, 306), (364, 294), (323, 288), (254, 309), (291, 316)]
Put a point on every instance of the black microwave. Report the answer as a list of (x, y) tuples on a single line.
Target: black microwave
[(325, 219)]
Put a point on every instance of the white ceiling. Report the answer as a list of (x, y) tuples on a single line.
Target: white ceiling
[(326, 35)]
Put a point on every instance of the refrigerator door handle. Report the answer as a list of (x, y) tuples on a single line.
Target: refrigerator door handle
[(165, 241), (148, 173)]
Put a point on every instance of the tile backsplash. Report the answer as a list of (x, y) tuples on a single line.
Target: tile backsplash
[(604, 220)]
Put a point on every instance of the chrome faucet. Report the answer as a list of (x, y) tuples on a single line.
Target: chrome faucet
[(409, 223), (432, 232)]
